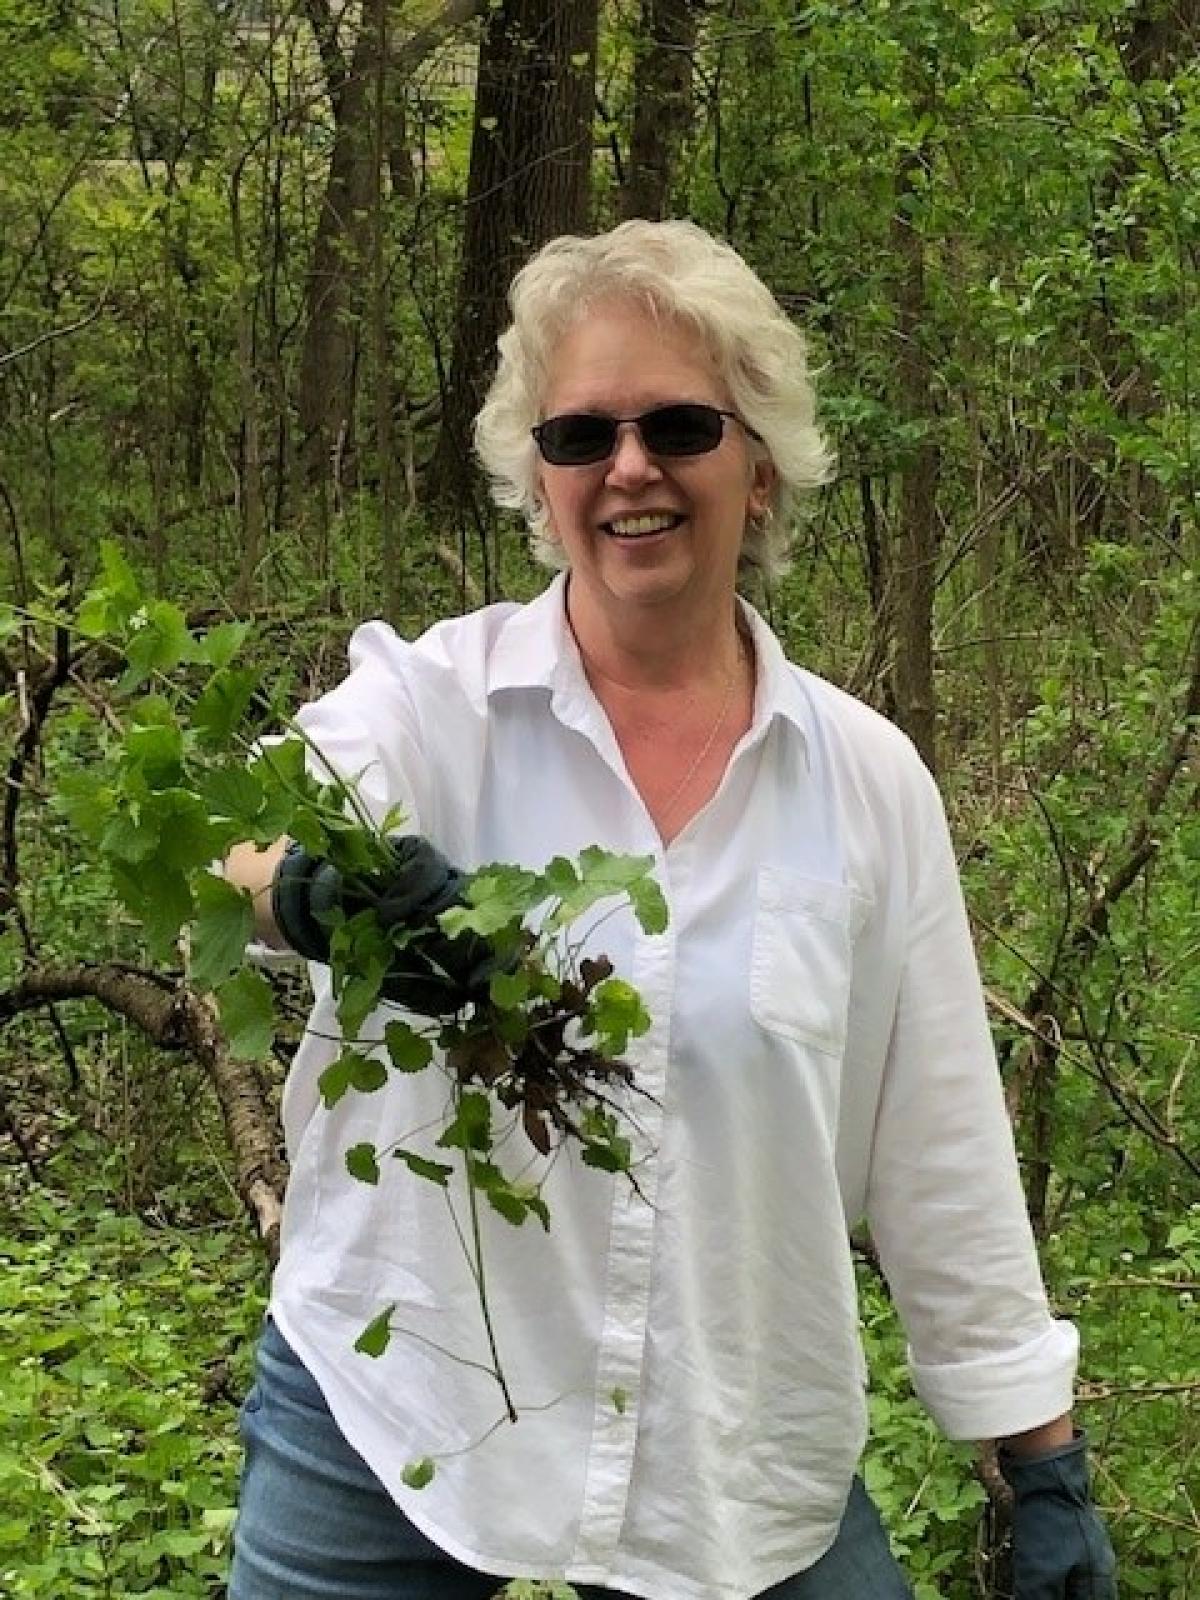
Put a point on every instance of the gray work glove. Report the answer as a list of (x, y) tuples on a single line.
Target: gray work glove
[(431, 973), (1061, 1549)]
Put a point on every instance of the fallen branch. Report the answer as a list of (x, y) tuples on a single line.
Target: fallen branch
[(175, 1017)]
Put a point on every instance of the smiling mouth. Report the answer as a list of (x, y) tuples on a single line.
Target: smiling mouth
[(641, 527)]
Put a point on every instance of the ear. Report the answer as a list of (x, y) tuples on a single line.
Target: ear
[(542, 507), (764, 477)]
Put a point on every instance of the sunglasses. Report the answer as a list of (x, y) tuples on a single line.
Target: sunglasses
[(582, 438)]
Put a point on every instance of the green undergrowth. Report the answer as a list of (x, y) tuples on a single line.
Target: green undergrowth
[(125, 1348), (124, 1351), (1133, 1298)]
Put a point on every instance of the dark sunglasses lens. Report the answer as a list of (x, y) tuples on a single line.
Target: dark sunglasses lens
[(579, 439), (682, 430), (574, 441)]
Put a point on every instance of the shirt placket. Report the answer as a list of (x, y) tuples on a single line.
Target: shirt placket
[(617, 1401)]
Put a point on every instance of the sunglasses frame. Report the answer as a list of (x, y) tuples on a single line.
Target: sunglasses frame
[(616, 423)]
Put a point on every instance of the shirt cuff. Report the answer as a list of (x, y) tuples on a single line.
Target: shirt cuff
[(994, 1396)]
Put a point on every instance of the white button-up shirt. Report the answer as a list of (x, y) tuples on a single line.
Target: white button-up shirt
[(684, 1357)]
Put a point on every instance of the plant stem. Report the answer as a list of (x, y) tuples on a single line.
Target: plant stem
[(481, 1281)]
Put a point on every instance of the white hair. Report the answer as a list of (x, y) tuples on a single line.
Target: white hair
[(676, 270)]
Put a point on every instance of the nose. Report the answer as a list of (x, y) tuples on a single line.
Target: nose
[(630, 461)]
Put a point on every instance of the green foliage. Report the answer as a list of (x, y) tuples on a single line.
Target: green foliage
[(119, 1460)]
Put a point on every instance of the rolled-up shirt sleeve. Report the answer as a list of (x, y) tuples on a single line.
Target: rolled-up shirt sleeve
[(945, 1201)]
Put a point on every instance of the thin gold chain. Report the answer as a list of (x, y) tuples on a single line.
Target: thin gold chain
[(730, 688)]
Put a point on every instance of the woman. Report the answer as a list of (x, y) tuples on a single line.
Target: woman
[(685, 1358)]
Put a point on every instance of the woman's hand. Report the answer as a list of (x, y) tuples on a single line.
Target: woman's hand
[(1061, 1549), (430, 973)]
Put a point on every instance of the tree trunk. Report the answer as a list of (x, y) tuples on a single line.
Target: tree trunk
[(333, 294), (662, 104), (251, 495), (342, 248), (390, 552), (914, 566), (529, 180)]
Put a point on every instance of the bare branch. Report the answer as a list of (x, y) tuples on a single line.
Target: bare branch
[(9, 356), (454, 14), (175, 1017)]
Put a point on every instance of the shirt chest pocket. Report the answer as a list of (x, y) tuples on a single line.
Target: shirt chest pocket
[(802, 959)]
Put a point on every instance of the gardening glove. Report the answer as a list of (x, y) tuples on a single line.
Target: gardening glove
[(1061, 1549), (433, 974)]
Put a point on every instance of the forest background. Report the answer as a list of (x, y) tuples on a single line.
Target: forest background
[(252, 259)]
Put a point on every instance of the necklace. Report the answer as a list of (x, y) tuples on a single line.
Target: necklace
[(677, 793)]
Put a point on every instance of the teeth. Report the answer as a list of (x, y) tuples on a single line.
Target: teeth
[(634, 527)]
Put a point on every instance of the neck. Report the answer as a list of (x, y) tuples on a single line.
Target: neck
[(641, 653)]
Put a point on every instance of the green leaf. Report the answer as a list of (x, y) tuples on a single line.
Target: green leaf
[(247, 1015), (617, 1013), (158, 640), (649, 905), (351, 1070), (222, 705), (334, 1082), (419, 1474), (509, 990), (377, 1335), (223, 927), (605, 1146), (607, 1157), (367, 1073), (359, 997), (409, 1050), (113, 600), (498, 896), (220, 644), (602, 876), (128, 837), (287, 789), (173, 826), (234, 794), (360, 954), (362, 1162), (435, 1171), (87, 801), (161, 901), (471, 1127), (620, 1399), (560, 877), (155, 751)]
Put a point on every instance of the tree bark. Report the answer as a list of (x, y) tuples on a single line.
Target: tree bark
[(662, 105), (177, 1018), (914, 567), (333, 296), (381, 345), (529, 180), (341, 250)]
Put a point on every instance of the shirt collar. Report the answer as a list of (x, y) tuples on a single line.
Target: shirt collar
[(535, 649)]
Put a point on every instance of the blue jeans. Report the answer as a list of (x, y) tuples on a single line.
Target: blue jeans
[(315, 1521)]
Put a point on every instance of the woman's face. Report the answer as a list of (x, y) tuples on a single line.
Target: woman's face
[(620, 361)]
